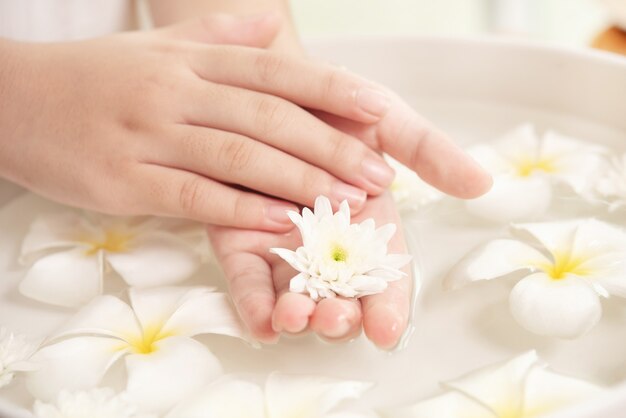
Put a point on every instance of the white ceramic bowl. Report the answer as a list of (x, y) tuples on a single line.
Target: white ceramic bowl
[(475, 90)]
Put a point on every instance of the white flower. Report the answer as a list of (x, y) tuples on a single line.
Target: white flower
[(526, 170), (15, 354), (519, 388), (284, 397), (567, 266), (611, 187), (95, 403), (70, 255), (154, 337), (338, 258), (409, 191)]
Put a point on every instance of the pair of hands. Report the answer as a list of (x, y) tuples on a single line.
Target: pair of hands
[(192, 121)]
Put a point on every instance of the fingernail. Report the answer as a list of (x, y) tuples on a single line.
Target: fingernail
[(355, 197), (372, 101), (278, 213), (339, 330), (378, 172)]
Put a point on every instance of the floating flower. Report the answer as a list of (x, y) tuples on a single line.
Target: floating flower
[(69, 255), (567, 266), (95, 403), (15, 354), (154, 336), (611, 187), (284, 397), (519, 388), (409, 191), (526, 170), (338, 258)]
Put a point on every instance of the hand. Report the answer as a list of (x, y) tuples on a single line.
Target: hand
[(259, 286), (168, 123)]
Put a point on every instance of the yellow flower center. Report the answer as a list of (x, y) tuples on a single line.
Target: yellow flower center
[(527, 166), (339, 254), (114, 241), (145, 343), (564, 263)]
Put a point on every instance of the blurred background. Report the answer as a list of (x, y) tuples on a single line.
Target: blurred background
[(571, 22)]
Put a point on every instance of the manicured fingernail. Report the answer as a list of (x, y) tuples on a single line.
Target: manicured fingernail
[(355, 197), (372, 101), (378, 172), (278, 213)]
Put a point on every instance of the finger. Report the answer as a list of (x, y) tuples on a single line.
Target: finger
[(250, 284), (172, 192), (414, 142), (299, 80), (254, 31), (337, 319), (385, 315), (287, 127), (237, 159)]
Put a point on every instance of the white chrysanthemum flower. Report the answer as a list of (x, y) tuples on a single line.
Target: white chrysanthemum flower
[(526, 169), (339, 258), (69, 254), (95, 403), (611, 187), (520, 388), (284, 396), (153, 336), (568, 265), (409, 191), (15, 354)]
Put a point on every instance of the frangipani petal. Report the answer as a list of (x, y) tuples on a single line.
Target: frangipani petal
[(520, 142), (512, 199), (69, 278), (552, 236), (499, 387), (156, 259), (73, 364), (449, 405), (52, 231), (492, 260), (307, 397), (409, 191), (178, 367), (185, 311), (225, 398), (105, 316), (565, 308), (547, 392)]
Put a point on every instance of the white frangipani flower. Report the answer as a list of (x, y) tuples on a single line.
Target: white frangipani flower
[(284, 396), (69, 255), (568, 265), (409, 191), (154, 337), (15, 354), (519, 388), (527, 168), (95, 403), (611, 187), (337, 258)]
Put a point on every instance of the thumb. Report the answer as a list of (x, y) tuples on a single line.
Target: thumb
[(255, 31)]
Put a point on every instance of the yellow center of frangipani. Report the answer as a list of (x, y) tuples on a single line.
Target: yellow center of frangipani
[(564, 263), (145, 343), (338, 253), (114, 241), (527, 166)]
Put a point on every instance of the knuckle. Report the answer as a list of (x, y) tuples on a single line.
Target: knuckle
[(415, 156), (270, 115), (235, 154), (191, 196), (331, 84), (341, 148), (243, 209), (268, 66), (312, 179)]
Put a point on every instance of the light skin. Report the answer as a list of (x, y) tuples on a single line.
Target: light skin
[(203, 120)]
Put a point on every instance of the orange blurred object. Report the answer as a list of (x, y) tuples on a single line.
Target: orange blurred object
[(612, 39)]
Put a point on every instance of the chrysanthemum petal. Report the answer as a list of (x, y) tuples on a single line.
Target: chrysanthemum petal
[(68, 278), (448, 405), (565, 308), (513, 198), (547, 391), (225, 398), (323, 207), (385, 232), (290, 257), (73, 364), (156, 259), (499, 387), (298, 283), (492, 260), (178, 367), (307, 397)]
